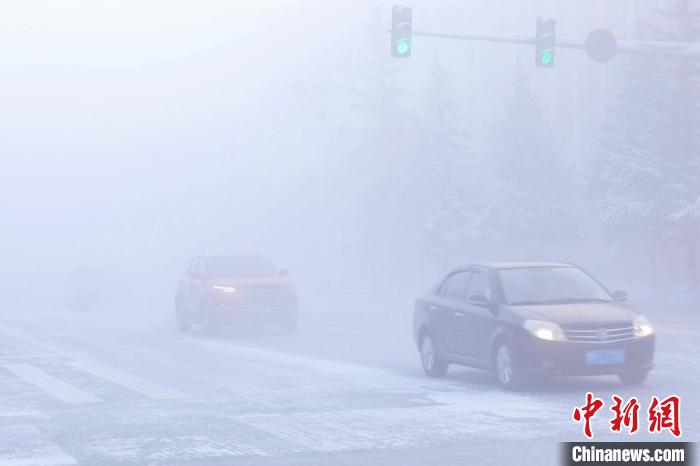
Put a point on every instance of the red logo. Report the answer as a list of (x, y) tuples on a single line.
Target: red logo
[(662, 414), (627, 416), (587, 411), (665, 414)]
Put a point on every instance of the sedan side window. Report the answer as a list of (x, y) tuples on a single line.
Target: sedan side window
[(479, 285), (456, 286)]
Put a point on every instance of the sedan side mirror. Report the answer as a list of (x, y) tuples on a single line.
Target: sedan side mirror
[(479, 300), (620, 295), (284, 272)]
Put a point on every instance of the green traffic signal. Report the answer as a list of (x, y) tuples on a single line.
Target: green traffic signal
[(403, 46), (401, 29), (547, 57), (545, 42)]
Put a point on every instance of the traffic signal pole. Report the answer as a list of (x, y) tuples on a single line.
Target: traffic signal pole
[(601, 45), (651, 48)]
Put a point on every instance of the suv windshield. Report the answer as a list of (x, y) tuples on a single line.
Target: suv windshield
[(240, 267), (550, 285)]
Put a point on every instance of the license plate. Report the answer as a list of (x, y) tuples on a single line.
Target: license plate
[(596, 357)]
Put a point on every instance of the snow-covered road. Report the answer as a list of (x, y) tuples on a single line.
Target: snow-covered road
[(86, 389)]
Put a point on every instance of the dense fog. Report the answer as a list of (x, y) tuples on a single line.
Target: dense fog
[(136, 136)]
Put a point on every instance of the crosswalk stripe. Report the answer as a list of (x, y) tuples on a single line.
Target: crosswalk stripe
[(26, 445), (88, 364), (130, 381), (50, 384)]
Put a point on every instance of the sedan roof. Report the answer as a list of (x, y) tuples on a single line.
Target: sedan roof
[(521, 265)]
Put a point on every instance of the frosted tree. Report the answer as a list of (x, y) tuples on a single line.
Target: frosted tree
[(377, 120), (644, 178), (433, 198), (528, 205)]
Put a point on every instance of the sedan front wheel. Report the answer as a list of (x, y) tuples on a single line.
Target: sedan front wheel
[(508, 373), (430, 358)]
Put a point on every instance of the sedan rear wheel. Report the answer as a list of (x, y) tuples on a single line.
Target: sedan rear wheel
[(430, 358)]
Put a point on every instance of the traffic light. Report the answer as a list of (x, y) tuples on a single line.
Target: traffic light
[(545, 42), (401, 28)]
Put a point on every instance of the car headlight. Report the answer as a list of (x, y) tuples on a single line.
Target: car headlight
[(545, 330), (224, 289), (642, 327)]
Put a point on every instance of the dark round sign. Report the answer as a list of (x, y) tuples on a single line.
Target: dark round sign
[(601, 45)]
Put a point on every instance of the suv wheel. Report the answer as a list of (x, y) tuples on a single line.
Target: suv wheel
[(210, 323), (182, 324), (430, 358), (633, 377), (289, 323), (509, 376)]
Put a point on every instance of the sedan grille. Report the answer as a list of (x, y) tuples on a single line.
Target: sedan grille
[(600, 334)]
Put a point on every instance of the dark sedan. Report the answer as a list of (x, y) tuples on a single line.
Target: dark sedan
[(525, 319)]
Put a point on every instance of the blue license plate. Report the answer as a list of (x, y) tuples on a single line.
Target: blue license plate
[(616, 356)]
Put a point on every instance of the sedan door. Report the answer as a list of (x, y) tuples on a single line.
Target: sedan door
[(475, 327), (449, 307)]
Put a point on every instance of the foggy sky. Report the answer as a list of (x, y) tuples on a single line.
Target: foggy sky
[(140, 134)]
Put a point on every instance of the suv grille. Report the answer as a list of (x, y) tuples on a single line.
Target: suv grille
[(263, 298), (601, 334)]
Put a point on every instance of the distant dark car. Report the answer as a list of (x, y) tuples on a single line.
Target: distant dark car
[(525, 319), (96, 287), (235, 289)]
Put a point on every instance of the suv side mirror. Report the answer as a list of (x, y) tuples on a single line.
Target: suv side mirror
[(620, 295), (284, 272)]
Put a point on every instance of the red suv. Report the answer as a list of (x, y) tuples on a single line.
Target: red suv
[(231, 289)]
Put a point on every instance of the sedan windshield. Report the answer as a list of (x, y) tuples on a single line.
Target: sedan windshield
[(550, 285), (240, 267)]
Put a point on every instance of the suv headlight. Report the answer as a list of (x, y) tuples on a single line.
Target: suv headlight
[(545, 330), (224, 289), (642, 327)]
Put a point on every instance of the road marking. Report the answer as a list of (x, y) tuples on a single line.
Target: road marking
[(87, 364), (11, 357), (50, 384), (132, 382), (26, 445)]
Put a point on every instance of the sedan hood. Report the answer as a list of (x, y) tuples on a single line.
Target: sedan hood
[(576, 313)]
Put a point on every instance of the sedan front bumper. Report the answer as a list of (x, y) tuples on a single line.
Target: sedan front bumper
[(571, 358)]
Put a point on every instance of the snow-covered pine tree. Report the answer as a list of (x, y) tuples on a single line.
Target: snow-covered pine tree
[(429, 196), (644, 178), (530, 194), (377, 124)]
